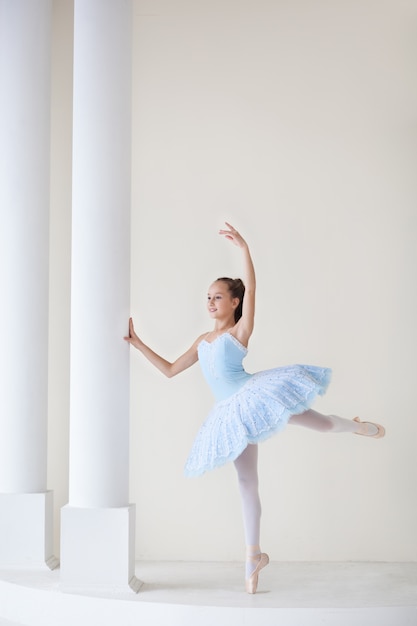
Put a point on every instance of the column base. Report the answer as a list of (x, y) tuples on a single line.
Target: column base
[(98, 549), (26, 531)]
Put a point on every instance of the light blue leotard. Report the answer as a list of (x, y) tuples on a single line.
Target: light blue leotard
[(250, 407)]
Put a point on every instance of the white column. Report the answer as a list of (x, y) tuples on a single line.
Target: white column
[(25, 504), (97, 538)]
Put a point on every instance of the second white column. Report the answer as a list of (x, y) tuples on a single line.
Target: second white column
[(97, 538)]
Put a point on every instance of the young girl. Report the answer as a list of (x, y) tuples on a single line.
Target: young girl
[(249, 407)]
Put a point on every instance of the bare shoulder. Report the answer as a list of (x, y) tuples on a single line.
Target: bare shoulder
[(200, 338)]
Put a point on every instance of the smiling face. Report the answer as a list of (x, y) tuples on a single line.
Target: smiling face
[(220, 303)]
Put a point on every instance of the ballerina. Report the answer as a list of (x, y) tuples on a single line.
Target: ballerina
[(249, 407)]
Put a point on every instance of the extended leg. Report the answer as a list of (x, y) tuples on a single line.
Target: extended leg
[(332, 423)]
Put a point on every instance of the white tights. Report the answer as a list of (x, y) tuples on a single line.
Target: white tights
[(324, 423), (247, 472)]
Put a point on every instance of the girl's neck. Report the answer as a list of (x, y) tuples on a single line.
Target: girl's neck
[(223, 326)]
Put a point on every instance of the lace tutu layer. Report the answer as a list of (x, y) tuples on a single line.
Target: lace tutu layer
[(260, 408)]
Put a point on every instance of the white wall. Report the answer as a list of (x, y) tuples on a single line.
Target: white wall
[(296, 122)]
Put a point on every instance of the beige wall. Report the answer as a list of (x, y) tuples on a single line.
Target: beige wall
[(296, 122), (60, 256)]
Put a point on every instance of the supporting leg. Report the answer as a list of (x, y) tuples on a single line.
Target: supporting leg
[(247, 471)]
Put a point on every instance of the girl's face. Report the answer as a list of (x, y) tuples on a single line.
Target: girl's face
[(220, 303)]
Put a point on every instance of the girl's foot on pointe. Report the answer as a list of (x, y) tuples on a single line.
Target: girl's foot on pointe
[(258, 561), (369, 429)]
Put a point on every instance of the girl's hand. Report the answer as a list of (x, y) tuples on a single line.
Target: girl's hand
[(133, 339), (232, 234)]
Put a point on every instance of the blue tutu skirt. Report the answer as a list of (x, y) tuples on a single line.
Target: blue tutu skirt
[(258, 410)]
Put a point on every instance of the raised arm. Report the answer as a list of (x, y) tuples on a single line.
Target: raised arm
[(166, 367), (244, 326)]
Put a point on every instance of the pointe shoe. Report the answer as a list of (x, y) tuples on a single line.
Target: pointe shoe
[(378, 435), (252, 582)]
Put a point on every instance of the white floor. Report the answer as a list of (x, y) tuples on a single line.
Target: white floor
[(178, 594)]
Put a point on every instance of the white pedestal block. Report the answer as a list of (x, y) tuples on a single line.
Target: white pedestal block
[(26, 530), (98, 547)]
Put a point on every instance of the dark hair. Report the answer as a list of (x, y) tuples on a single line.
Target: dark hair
[(237, 290)]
